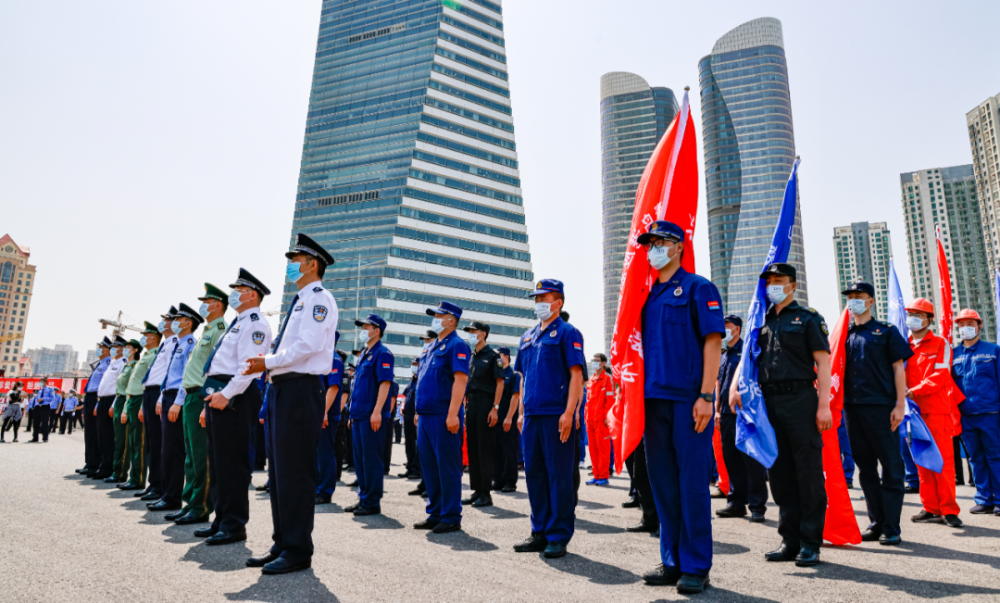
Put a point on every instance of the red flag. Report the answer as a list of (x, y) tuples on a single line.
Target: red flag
[(841, 525), (720, 463), (947, 322), (668, 190)]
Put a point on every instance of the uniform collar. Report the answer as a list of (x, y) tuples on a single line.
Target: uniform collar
[(486, 348), (972, 348), (246, 313), (794, 304), (866, 326), (555, 324), (211, 325), (929, 337), (736, 348)]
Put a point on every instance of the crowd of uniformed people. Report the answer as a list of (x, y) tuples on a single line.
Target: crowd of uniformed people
[(173, 415)]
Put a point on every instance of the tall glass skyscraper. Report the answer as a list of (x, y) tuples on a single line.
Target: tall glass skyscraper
[(633, 118), (409, 171), (749, 146)]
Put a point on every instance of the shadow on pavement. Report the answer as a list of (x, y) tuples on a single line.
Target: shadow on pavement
[(176, 534), (586, 504), (220, 558), (931, 551), (329, 508), (296, 587), (721, 594), (378, 522), (726, 548), (924, 589), (592, 527), (595, 571), (498, 513), (461, 541)]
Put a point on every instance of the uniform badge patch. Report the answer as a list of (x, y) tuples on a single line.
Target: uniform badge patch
[(577, 346), (254, 316), (713, 305), (236, 329), (257, 337), (823, 328), (461, 356), (299, 307), (319, 313), (678, 292), (385, 365), (442, 347), (499, 362), (553, 334)]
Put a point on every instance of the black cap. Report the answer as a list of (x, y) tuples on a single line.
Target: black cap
[(304, 244), (736, 320), (478, 326), (105, 343), (119, 340), (779, 269), (430, 335), (503, 350), (860, 287), (171, 313), (245, 279), (187, 312)]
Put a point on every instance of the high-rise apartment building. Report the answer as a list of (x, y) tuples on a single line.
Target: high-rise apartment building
[(17, 280), (947, 197), (61, 359), (409, 173), (634, 117), (749, 147), (986, 167), (862, 251)]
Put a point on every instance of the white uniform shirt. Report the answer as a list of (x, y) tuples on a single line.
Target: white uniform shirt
[(307, 344), (110, 379), (158, 372), (248, 338)]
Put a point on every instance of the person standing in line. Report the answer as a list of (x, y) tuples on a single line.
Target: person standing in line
[(149, 414), (67, 414), (120, 466), (327, 459), (600, 399), (301, 358), (505, 474), (105, 409), (422, 362), (483, 393), (91, 443), (54, 411), (410, 425), (46, 402), (135, 444), (13, 413)]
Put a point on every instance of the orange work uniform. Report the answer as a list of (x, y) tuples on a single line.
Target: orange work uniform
[(600, 399)]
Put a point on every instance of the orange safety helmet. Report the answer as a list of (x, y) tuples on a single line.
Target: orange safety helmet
[(969, 314), (921, 304)]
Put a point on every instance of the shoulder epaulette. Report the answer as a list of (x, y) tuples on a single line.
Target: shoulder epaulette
[(812, 310), (254, 316), (317, 289), (222, 325)]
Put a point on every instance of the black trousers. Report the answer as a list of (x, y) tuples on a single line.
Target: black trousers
[(28, 413), (410, 439), (91, 443), (229, 435), (797, 481), (257, 433), (505, 455), (340, 444), (172, 454), (747, 477), (635, 464), (481, 442), (41, 419), (106, 435), (294, 420), (66, 421), (154, 437), (873, 443), (348, 442)]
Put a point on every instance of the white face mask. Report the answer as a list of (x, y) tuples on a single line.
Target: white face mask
[(413, 369), (856, 306), (543, 310), (967, 333), (729, 336), (776, 293), (114, 352), (363, 336), (914, 323), (437, 325), (595, 366)]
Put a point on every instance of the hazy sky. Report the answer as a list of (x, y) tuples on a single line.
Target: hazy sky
[(146, 148)]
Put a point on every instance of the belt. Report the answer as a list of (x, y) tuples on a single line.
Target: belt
[(149, 387), (786, 387), (290, 376)]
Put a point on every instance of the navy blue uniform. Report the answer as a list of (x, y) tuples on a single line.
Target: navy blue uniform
[(976, 370), (440, 450), (375, 366), (326, 453), (545, 358), (747, 477), (410, 429), (507, 442), (677, 317), (869, 397)]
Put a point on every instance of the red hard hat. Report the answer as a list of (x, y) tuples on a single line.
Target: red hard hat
[(969, 314), (921, 304)]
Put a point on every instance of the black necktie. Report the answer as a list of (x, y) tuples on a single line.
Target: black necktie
[(218, 344), (284, 323)]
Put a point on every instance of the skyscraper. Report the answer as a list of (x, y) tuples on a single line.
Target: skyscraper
[(17, 278), (409, 172), (986, 166), (947, 197), (633, 118), (749, 146), (862, 251)]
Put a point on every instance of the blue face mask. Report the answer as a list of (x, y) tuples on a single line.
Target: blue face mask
[(162, 326), (114, 352), (203, 310), (234, 299), (292, 271), (175, 326), (776, 293), (143, 341)]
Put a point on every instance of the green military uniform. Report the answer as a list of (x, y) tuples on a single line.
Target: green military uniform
[(136, 442), (196, 497), (121, 464)]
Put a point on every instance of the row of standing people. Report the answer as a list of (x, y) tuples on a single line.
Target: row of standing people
[(46, 410)]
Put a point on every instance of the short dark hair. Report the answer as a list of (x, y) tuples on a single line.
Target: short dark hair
[(601, 356)]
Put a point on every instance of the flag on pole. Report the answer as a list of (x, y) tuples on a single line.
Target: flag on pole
[(841, 526), (668, 190), (996, 300), (754, 434), (918, 437), (897, 307), (947, 331)]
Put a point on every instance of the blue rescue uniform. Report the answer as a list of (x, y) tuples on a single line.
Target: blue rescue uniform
[(976, 370), (326, 455), (374, 367), (747, 477), (677, 317)]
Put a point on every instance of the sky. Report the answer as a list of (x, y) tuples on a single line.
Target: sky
[(146, 148)]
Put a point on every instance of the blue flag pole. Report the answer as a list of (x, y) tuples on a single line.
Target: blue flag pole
[(754, 434)]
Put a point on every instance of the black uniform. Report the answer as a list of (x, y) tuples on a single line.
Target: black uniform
[(507, 442), (410, 429), (481, 394), (787, 375)]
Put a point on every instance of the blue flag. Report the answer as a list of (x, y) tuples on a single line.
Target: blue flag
[(754, 434), (996, 300), (897, 307), (921, 442)]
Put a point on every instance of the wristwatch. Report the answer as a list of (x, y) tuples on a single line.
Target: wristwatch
[(496, 407), (709, 397)]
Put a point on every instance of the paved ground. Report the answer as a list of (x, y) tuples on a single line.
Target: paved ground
[(63, 538)]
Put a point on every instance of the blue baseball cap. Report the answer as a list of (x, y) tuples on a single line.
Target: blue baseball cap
[(860, 287), (736, 320), (374, 320), (445, 307), (503, 350), (547, 285), (663, 229)]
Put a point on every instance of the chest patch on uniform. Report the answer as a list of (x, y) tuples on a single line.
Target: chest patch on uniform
[(235, 330), (299, 307), (257, 337), (442, 347), (713, 305), (553, 334), (678, 292), (878, 331), (797, 321), (319, 313)]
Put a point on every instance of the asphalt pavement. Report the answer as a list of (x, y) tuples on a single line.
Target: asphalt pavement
[(65, 538)]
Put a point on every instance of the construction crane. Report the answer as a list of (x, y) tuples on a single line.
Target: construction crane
[(9, 337), (118, 326)]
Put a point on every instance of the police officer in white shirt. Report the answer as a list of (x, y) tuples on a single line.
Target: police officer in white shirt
[(105, 400), (233, 400), (150, 413), (296, 406)]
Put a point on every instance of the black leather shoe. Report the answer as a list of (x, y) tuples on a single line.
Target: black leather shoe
[(911, 490), (644, 526), (353, 484), (263, 488), (403, 475), (662, 575), (416, 492), (757, 516), (483, 501), (444, 527), (163, 506), (284, 566), (689, 584), (322, 499), (151, 496), (925, 517), (427, 524), (889, 540), (227, 537), (127, 486), (112, 480), (732, 511), (206, 532), (352, 508), (508, 489), (495, 487), (555, 550), (82, 470), (870, 536), (981, 509), (807, 558), (100, 477), (782, 553), (191, 518), (468, 501), (362, 511), (953, 521), (535, 543), (262, 560), (717, 493), (175, 516), (632, 503)]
